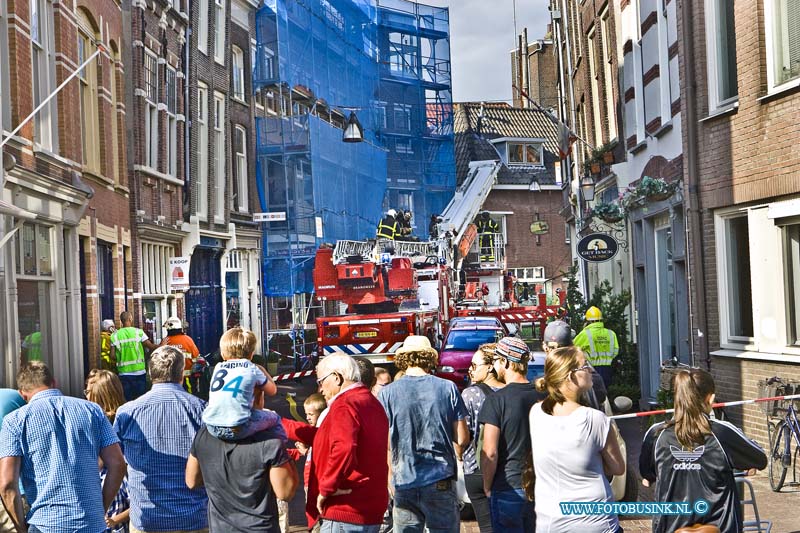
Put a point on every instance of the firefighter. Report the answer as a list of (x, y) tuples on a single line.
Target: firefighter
[(599, 343), (176, 337), (405, 224), (388, 228), (487, 228), (433, 227), (108, 327)]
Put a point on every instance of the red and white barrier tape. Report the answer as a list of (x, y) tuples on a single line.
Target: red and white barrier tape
[(293, 375), (721, 404)]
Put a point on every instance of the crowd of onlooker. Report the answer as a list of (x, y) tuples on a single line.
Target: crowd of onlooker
[(380, 454)]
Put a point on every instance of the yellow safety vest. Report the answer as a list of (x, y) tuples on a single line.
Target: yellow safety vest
[(387, 228), (599, 343)]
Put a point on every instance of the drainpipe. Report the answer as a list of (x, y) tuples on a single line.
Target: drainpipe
[(697, 316), (187, 167)]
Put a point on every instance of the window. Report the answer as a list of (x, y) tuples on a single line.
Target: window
[(151, 110), (171, 89), (403, 146), (219, 157), (240, 192), (405, 201), (35, 280), (793, 283), (524, 154), (87, 84), (237, 67), (608, 75), (5, 76), (737, 305), (202, 26), (219, 31), (597, 121), (202, 151), (155, 282), (43, 74), (380, 115), (403, 54), (402, 117), (783, 41), (721, 42)]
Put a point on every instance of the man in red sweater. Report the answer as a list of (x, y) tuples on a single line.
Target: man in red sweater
[(349, 473)]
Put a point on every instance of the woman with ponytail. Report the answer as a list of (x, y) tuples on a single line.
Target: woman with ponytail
[(693, 457), (574, 448)]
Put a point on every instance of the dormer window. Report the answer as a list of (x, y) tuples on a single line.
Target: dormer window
[(524, 154)]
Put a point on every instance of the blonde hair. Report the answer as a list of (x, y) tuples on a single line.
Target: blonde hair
[(424, 359), (488, 352), (691, 388), (105, 389), (237, 343), (558, 366), (316, 402)]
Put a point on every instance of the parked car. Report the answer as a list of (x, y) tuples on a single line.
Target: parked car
[(463, 338)]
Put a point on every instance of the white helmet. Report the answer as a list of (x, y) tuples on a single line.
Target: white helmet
[(173, 322), (391, 213)]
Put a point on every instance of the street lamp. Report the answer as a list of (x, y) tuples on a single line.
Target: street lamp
[(587, 188), (353, 132)]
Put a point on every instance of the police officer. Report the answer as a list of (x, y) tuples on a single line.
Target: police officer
[(388, 228), (599, 343), (487, 228)]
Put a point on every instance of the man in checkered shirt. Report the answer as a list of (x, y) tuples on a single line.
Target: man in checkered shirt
[(53, 444)]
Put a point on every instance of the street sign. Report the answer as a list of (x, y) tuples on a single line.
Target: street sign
[(540, 227), (179, 273), (275, 216), (597, 247)]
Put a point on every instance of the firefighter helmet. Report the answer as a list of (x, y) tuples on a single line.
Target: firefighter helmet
[(594, 314), (391, 213)]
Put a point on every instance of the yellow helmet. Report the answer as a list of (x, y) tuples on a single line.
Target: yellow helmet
[(593, 313)]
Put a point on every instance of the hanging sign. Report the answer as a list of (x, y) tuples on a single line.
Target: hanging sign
[(179, 273), (540, 227), (275, 216), (597, 247)]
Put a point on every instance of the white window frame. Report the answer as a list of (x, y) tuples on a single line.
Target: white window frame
[(723, 279), (404, 111), (237, 73), (151, 113), (241, 176), (791, 234), (171, 139), (608, 75), (155, 268), (220, 175), (219, 31), (43, 78), (715, 103), (202, 152), (538, 145), (769, 27), (202, 26)]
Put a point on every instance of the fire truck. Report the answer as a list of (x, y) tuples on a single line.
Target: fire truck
[(392, 289)]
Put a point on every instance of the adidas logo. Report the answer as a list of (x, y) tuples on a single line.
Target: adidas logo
[(687, 459)]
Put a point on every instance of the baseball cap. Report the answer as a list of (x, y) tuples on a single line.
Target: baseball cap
[(513, 348), (559, 333)]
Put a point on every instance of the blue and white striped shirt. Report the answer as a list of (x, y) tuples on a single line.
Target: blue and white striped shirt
[(59, 440), (157, 431)]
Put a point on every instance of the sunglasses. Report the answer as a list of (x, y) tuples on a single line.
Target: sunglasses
[(474, 366), (587, 367)]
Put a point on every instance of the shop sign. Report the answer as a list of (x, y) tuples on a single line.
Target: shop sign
[(597, 247), (179, 273)]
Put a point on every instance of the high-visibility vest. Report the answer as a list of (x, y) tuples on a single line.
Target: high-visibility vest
[(486, 230), (387, 228), (105, 352), (33, 346), (599, 343), (129, 350)]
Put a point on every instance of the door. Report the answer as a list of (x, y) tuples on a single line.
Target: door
[(204, 299), (665, 292)]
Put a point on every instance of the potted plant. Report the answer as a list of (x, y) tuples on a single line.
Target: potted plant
[(608, 212), (605, 153), (656, 189)]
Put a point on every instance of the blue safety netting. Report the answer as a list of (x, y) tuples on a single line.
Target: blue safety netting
[(321, 59)]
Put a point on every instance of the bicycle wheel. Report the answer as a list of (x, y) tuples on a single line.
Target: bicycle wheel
[(778, 448)]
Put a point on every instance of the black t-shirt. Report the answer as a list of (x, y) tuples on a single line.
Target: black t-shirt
[(508, 409), (236, 476)]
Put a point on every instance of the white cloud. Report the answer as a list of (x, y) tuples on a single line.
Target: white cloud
[(481, 39)]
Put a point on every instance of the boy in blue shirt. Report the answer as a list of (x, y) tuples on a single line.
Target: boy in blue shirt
[(236, 399)]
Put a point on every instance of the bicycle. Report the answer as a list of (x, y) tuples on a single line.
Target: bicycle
[(668, 370), (788, 426)]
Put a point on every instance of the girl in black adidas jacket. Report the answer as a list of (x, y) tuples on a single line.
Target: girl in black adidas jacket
[(692, 458)]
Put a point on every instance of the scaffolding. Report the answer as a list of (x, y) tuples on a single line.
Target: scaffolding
[(315, 62)]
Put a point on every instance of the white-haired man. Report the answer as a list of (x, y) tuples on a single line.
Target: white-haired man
[(347, 485)]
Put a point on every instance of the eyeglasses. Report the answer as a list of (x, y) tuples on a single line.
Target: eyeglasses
[(86, 393), (587, 367), (319, 381)]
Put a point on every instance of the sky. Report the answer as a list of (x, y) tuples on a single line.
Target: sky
[(481, 39)]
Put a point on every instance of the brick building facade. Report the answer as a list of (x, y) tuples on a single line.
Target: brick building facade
[(743, 161), (154, 37)]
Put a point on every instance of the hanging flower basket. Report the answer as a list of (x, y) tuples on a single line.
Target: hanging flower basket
[(608, 157), (595, 167), (610, 213)]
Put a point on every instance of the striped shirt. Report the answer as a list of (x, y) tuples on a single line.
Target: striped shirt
[(157, 431), (59, 440)]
